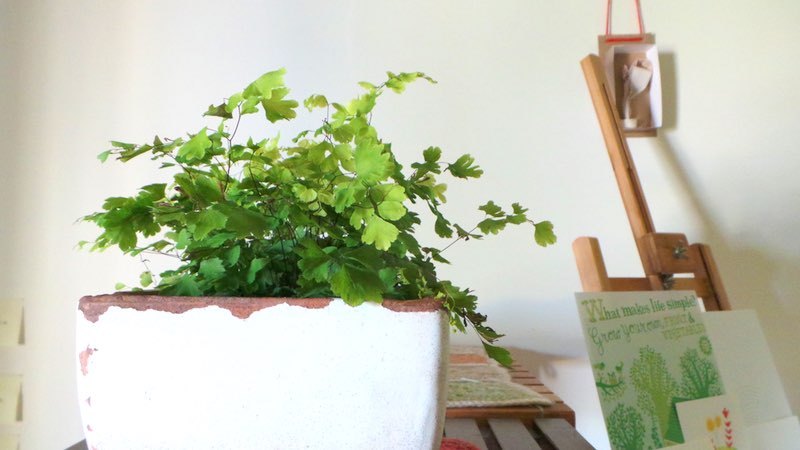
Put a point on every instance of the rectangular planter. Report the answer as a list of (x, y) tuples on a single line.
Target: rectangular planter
[(260, 373)]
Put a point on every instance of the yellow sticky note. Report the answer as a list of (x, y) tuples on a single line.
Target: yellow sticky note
[(10, 393), (11, 323), (9, 442)]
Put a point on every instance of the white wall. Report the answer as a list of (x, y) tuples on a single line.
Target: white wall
[(76, 74)]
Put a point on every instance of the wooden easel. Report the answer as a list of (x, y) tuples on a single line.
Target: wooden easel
[(663, 255)]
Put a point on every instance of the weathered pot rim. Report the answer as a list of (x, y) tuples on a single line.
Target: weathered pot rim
[(94, 306)]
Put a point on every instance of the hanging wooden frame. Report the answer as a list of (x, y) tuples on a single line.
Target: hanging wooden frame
[(632, 67)]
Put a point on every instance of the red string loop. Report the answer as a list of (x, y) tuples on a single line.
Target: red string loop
[(638, 17)]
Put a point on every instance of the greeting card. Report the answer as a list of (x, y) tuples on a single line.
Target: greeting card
[(649, 351)]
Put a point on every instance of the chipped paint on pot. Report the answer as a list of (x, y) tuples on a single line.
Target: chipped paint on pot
[(257, 373)]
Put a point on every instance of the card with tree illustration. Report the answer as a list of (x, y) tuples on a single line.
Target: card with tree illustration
[(649, 351)]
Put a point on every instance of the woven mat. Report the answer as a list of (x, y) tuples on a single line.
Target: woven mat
[(474, 380)]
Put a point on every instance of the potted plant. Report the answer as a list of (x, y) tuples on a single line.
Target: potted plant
[(244, 331)]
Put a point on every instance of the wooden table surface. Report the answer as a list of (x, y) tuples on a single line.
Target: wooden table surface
[(516, 434), (518, 427), (558, 410)]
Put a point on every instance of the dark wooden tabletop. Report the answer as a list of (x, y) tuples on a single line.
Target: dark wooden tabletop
[(516, 434), (558, 410), (518, 427)]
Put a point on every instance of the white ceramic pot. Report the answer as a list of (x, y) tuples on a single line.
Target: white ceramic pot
[(258, 373)]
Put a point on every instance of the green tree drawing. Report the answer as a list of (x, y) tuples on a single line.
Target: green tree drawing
[(625, 428), (705, 345), (655, 433), (655, 386), (610, 384), (700, 376)]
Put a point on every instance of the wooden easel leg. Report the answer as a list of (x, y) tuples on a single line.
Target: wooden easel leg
[(592, 269), (718, 300)]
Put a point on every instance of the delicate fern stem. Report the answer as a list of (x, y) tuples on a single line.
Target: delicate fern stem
[(458, 239), (230, 148), (153, 252)]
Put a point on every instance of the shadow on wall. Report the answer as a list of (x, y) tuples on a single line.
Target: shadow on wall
[(669, 88), (753, 279), (12, 76), (769, 285)]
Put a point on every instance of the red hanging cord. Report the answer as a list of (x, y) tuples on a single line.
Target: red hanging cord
[(625, 39), (639, 16)]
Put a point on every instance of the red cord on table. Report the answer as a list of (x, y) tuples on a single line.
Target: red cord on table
[(457, 444)]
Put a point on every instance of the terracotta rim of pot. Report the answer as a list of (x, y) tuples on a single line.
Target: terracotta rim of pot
[(94, 306)]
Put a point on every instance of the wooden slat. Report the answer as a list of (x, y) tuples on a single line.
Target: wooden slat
[(544, 391), (530, 382), (617, 145), (700, 287), (519, 376), (466, 430), (522, 376), (562, 435), (527, 381), (511, 434), (556, 410), (516, 434), (630, 284)]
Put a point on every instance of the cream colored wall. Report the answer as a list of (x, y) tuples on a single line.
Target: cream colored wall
[(76, 74)]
